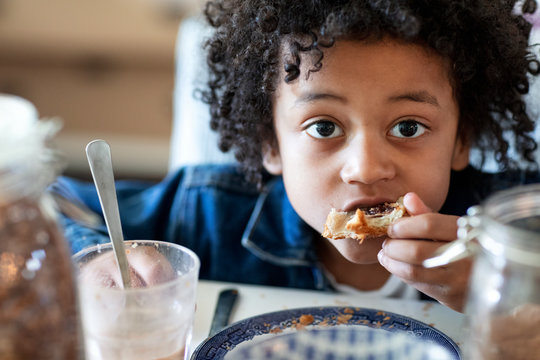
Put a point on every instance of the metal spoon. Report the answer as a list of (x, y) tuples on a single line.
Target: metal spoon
[(98, 153)]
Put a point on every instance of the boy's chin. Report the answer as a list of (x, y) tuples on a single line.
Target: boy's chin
[(364, 253)]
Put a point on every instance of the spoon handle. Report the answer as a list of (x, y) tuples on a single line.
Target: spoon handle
[(98, 153)]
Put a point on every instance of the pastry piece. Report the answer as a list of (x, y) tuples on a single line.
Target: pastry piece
[(363, 223)]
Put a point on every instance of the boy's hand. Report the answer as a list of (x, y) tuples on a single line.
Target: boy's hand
[(147, 267), (414, 239)]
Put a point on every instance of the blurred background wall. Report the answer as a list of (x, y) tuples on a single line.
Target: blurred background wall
[(104, 67)]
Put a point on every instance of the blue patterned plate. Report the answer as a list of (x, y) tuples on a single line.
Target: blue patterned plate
[(284, 329)]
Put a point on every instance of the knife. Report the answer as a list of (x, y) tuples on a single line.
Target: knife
[(225, 304)]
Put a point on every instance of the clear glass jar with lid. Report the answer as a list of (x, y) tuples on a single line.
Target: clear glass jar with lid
[(503, 308), (38, 307), (503, 303)]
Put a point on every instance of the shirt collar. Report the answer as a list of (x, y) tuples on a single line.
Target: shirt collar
[(275, 232)]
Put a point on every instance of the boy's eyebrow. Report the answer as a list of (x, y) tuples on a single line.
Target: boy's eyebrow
[(416, 96), (309, 97)]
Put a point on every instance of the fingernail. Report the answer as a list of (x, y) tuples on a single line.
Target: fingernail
[(380, 256), (390, 230)]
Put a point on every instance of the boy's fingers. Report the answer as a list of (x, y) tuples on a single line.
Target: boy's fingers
[(424, 223), (415, 205), (412, 273), (425, 226), (447, 284), (410, 251)]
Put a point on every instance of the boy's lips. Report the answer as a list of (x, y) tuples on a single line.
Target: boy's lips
[(365, 203)]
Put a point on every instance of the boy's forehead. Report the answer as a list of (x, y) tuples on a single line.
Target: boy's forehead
[(323, 54), (418, 66)]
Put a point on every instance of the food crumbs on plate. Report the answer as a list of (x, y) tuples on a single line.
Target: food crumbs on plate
[(306, 319), (427, 306), (300, 324), (431, 324), (344, 318), (340, 318)]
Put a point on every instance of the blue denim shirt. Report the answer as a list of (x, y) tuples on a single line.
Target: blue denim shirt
[(239, 234)]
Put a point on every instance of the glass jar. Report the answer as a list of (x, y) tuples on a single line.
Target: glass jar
[(503, 306), (38, 312)]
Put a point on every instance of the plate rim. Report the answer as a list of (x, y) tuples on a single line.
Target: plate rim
[(298, 310)]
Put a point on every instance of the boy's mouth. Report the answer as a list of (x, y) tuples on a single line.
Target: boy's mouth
[(378, 210), (364, 222), (370, 206)]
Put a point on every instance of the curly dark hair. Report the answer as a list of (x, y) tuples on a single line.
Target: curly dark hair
[(485, 40)]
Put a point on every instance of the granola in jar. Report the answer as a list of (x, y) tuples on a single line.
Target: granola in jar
[(38, 305)]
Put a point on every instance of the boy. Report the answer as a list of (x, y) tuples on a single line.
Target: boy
[(342, 104)]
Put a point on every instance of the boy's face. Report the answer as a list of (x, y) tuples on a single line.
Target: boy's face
[(379, 120)]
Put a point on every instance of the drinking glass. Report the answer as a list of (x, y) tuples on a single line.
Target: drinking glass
[(153, 319)]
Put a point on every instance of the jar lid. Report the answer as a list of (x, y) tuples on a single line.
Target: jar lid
[(15, 107), (25, 147)]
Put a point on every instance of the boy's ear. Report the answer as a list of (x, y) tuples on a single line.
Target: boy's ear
[(460, 157), (272, 159)]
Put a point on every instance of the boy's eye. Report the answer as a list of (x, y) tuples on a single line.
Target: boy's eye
[(408, 129), (324, 130)]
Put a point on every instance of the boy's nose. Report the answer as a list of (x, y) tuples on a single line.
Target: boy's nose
[(368, 161)]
